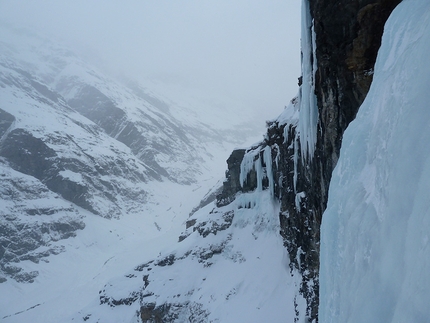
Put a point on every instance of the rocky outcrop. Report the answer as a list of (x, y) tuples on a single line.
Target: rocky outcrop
[(6, 120), (232, 183), (100, 109), (77, 178)]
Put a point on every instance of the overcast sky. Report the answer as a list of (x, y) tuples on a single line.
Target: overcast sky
[(234, 53)]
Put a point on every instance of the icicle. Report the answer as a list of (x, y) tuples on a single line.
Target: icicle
[(269, 171), (285, 134), (260, 174), (247, 165), (308, 107), (278, 155), (295, 160)]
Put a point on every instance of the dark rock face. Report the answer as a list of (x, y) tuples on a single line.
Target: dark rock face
[(97, 107), (28, 154), (231, 185), (347, 38), (22, 235)]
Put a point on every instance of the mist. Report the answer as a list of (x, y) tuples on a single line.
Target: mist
[(239, 57)]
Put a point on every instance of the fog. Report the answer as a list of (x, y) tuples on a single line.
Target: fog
[(240, 55)]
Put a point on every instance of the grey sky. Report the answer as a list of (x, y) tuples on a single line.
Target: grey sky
[(235, 53)]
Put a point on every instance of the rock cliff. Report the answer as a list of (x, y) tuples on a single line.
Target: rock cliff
[(344, 38)]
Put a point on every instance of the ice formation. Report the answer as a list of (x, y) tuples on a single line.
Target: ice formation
[(375, 232), (308, 107)]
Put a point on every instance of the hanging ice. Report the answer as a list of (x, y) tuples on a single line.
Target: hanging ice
[(269, 172), (260, 161), (308, 118), (248, 164)]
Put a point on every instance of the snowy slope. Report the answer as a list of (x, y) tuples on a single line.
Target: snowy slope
[(229, 259), (375, 250)]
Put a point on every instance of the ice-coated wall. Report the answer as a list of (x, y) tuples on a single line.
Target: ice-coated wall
[(375, 250)]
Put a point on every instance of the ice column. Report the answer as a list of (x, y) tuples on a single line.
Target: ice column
[(308, 117)]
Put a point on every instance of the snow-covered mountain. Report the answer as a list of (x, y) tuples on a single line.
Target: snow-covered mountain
[(76, 144)]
